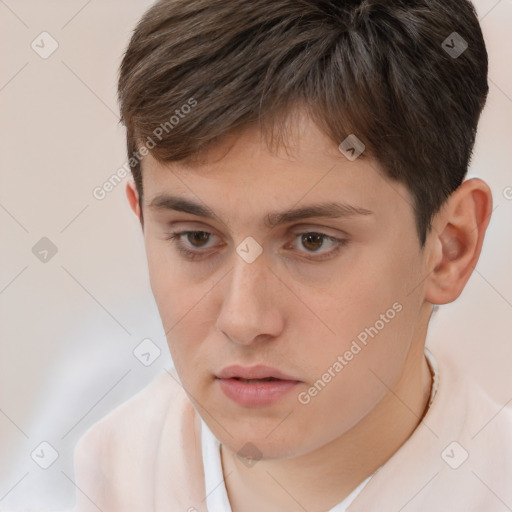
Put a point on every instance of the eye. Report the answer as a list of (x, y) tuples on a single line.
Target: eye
[(314, 241), (195, 236), (311, 240)]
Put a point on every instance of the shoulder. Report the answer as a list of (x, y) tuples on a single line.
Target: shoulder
[(116, 456), (458, 457), (145, 410), (465, 408), (481, 411), (474, 444)]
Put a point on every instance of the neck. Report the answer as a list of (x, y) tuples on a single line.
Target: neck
[(319, 480)]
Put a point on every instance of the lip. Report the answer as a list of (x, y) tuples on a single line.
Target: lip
[(253, 372), (255, 394)]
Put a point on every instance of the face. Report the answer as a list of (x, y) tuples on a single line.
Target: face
[(333, 303)]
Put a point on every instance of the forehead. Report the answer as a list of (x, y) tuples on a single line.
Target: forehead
[(242, 173)]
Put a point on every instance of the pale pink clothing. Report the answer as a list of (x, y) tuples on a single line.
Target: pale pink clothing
[(146, 455)]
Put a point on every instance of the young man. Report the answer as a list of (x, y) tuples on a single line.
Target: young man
[(299, 176)]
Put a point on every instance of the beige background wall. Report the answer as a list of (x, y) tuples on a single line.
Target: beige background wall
[(69, 326)]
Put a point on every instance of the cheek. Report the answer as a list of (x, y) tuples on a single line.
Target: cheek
[(164, 280), (371, 316), (175, 301), (170, 283), (329, 409), (347, 376)]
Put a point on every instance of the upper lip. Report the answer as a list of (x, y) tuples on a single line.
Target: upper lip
[(252, 372)]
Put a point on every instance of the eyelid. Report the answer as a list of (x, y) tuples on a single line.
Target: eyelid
[(294, 229), (324, 230), (193, 254)]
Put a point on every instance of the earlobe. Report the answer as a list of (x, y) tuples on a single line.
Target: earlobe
[(459, 232), (133, 198)]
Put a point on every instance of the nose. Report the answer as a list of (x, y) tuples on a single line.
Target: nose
[(250, 308)]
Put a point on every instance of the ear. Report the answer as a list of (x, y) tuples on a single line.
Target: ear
[(133, 198), (458, 231)]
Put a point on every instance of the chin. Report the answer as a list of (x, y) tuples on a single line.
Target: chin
[(261, 448)]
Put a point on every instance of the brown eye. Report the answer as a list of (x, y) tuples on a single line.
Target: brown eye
[(193, 245), (197, 236), (314, 244), (191, 248), (313, 241)]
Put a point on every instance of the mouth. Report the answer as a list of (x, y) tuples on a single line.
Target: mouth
[(266, 379), (257, 386), (254, 373)]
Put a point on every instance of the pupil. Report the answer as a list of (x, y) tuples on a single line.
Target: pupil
[(197, 236), (312, 236)]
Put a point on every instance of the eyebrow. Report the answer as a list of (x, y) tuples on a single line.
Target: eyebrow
[(272, 219)]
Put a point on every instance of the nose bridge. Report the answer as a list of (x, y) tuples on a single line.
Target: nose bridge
[(248, 283), (248, 308)]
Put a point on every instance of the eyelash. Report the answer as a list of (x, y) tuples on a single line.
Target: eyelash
[(174, 237)]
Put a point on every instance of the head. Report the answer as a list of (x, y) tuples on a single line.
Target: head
[(240, 108)]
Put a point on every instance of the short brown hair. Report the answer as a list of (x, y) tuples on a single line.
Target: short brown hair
[(381, 70)]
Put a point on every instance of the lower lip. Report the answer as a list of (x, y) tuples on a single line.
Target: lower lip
[(256, 394)]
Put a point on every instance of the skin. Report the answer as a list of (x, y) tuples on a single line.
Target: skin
[(292, 313)]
